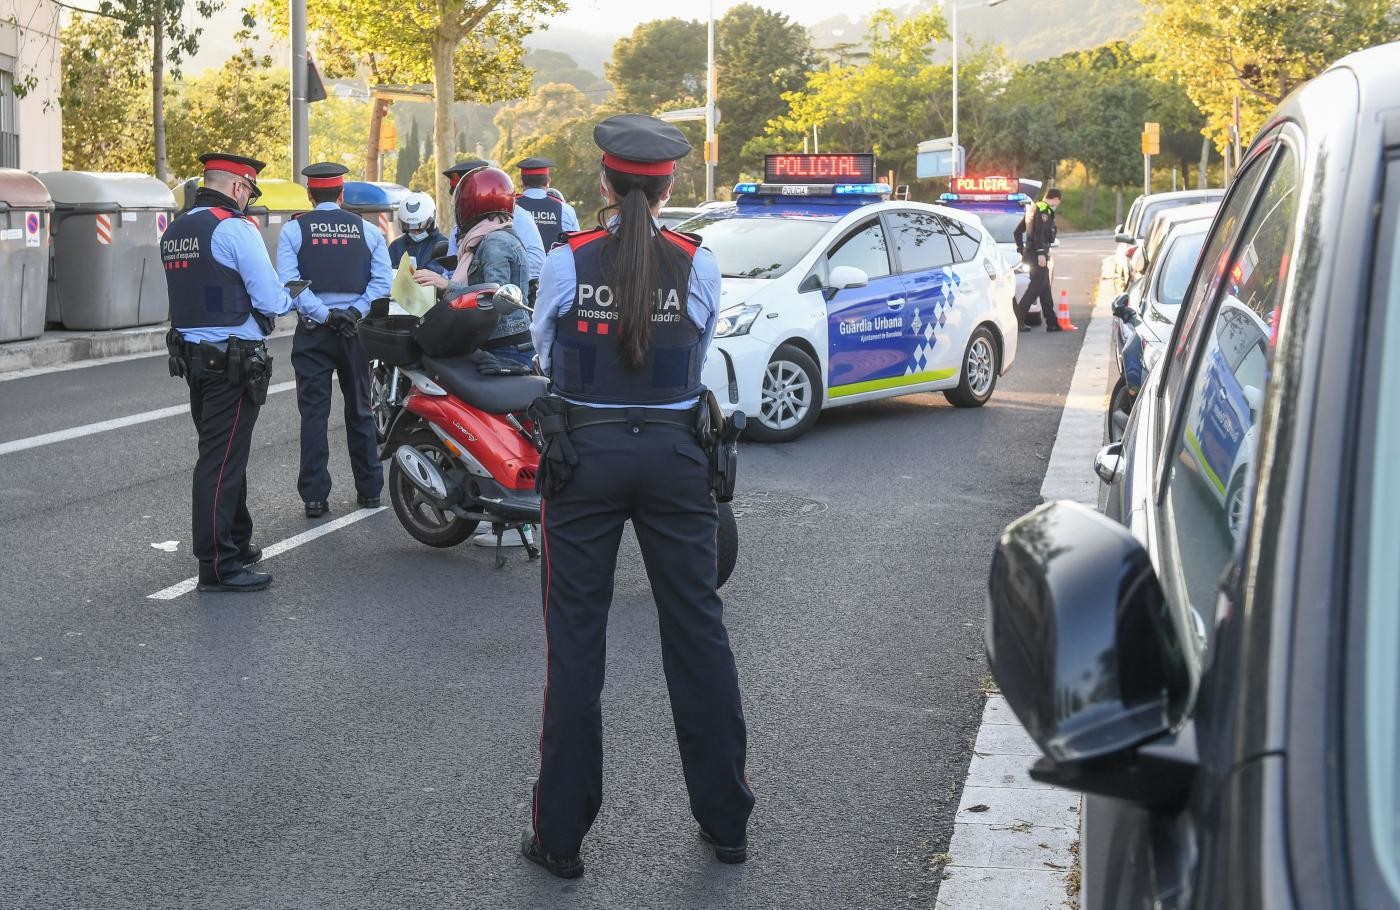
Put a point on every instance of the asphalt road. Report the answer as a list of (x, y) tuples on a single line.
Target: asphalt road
[(364, 734)]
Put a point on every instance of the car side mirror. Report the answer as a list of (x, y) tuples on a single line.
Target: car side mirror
[(1108, 463), (1118, 229), (846, 276), (1122, 237), (1086, 649), (1255, 398), (1121, 308)]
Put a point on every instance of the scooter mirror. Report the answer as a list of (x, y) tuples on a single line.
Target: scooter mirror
[(510, 296)]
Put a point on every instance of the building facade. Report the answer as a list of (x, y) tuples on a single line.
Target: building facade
[(31, 125)]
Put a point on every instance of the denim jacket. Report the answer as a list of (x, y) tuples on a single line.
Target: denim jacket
[(500, 259)]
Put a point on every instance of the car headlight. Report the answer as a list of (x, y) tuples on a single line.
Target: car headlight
[(736, 320)]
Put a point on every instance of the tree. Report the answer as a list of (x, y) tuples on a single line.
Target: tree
[(160, 27), (1256, 50), (410, 157), (660, 65), (103, 90), (576, 159), (240, 106), (538, 114), (556, 66), (761, 55)]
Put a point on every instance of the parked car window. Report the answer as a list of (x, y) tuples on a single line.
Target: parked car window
[(1380, 702), (1174, 273), (1209, 275), (865, 249), (1211, 469), (922, 242), (966, 241)]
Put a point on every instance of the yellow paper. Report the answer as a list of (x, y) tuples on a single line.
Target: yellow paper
[(416, 299)]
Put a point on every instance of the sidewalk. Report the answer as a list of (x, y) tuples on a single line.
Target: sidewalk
[(1015, 841), (59, 347)]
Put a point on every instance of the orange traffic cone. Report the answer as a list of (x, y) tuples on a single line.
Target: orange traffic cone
[(1062, 313)]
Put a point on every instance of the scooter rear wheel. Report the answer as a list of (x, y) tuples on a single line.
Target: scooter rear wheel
[(423, 520)]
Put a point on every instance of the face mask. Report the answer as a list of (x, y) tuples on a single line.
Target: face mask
[(417, 236)]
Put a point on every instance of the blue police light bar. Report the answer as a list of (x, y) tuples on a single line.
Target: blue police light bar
[(745, 189), (862, 189), (1017, 197)]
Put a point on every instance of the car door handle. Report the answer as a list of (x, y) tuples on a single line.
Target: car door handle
[(895, 303)]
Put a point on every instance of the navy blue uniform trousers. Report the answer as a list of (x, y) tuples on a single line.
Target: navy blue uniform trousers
[(316, 353), (221, 526), (658, 477)]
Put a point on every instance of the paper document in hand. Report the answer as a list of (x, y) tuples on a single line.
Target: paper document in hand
[(416, 299)]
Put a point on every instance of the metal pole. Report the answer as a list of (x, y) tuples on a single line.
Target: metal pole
[(710, 88), (1147, 175), (300, 128), (953, 26)]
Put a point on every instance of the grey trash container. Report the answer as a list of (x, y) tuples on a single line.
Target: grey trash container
[(106, 271), (24, 254)]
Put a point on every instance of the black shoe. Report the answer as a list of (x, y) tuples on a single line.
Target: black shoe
[(1054, 330), (562, 866), (315, 509), (368, 502), (251, 556), (239, 582), (726, 854)]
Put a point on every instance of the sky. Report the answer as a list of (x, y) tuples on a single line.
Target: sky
[(622, 15)]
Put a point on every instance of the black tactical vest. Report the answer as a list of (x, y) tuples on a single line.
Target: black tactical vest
[(548, 214), (203, 293), (334, 255)]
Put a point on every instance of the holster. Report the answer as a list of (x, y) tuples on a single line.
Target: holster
[(256, 367), (175, 348), (724, 451), (550, 416)]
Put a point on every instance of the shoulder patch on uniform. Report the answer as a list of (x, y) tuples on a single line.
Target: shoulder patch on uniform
[(577, 239), (687, 242)]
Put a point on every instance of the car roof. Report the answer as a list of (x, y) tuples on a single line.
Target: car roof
[(1207, 193), (1195, 212)]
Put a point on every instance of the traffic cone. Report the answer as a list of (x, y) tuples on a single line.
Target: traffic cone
[(1062, 313)]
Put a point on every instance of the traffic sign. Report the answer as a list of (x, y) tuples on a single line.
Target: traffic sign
[(940, 163), (1151, 143)]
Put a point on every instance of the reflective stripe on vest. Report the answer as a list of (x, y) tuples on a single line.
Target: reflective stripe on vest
[(587, 360), (204, 293), (334, 255)]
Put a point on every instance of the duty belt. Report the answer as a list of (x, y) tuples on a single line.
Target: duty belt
[(578, 416)]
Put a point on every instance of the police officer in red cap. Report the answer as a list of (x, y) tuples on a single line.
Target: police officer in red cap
[(346, 259), (553, 217), (224, 300), (624, 318)]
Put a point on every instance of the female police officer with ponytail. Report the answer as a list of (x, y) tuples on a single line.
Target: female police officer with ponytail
[(624, 317)]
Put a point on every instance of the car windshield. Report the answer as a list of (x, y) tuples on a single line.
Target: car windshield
[(761, 247), (1174, 274), (1000, 224)]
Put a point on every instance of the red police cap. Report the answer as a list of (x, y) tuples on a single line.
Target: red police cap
[(535, 167), (642, 145), (238, 165), (325, 175)]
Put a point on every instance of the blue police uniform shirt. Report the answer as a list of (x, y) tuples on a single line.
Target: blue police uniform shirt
[(317, 307), (568, 220), (524, 224), (558, 285), (237, 244)]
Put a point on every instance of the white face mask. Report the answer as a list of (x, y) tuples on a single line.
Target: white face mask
[(417, 236)]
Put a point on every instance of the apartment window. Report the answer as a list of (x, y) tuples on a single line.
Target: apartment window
[(9, 124)]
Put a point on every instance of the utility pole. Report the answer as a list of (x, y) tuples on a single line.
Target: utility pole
[(711, 86), (300, 126), (953, 27)]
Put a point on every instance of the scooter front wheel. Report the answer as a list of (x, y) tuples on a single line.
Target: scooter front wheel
[(420, 517)]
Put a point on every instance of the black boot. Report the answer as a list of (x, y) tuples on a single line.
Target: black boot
[(726, 854), (317, 508), (240, 582), (562, 866)]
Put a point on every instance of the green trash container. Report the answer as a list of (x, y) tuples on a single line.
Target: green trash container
[(105, 271), (377, 203), (24, 254)]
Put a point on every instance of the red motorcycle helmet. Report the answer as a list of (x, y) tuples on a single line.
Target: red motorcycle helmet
[(484, 191)]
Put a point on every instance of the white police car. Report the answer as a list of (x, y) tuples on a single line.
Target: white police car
[(834, 295)]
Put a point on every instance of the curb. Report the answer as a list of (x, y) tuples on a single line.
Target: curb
[(56, 349)]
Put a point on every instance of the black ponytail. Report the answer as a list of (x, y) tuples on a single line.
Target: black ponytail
[(636, 258)]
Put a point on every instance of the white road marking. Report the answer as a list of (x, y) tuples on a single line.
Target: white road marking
[(116, 423), (1015, 849), (277, 549)]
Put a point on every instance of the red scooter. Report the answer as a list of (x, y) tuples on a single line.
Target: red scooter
[(460, 446)]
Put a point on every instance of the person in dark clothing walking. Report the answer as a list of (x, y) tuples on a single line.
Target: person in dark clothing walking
[(1034, 237)]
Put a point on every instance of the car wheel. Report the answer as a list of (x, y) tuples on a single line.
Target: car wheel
[(790, 399), (1235, 504), (423, 520), (1119, 408), (981, 366), (727, 553)]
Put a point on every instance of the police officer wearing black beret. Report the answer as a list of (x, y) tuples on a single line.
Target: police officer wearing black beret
[(224, 300), (553, 217), (624, 317)]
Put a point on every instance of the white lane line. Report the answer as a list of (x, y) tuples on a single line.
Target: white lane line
[(277, 549), (116, 423), (1012, 837)]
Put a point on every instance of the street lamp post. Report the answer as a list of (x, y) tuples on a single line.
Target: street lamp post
[(710, 88), (300, 132), (953, 27)]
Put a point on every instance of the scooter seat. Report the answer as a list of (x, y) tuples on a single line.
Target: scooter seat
[(493, 394)]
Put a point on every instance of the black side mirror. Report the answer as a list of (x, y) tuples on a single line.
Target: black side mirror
[(1085, 648), (1121, 308)]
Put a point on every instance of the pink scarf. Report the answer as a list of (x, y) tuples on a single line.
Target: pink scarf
[(466, 247)]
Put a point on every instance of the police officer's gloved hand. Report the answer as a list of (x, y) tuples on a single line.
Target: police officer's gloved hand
[(343, 321)]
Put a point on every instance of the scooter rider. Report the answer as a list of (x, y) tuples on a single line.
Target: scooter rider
[(554, 217), (420, 236), (628, 373), (224, 300), (347, 262), (522, 222)]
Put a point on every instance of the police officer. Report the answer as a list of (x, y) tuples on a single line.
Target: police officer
[(224, 300), (417, 215), (624, 318), (521, 221), (347, 262), (1034, 236), (554, 217)]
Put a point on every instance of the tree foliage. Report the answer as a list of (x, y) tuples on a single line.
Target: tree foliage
[(542, 112), (660, 65), (104, 90), (1256, 50)]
